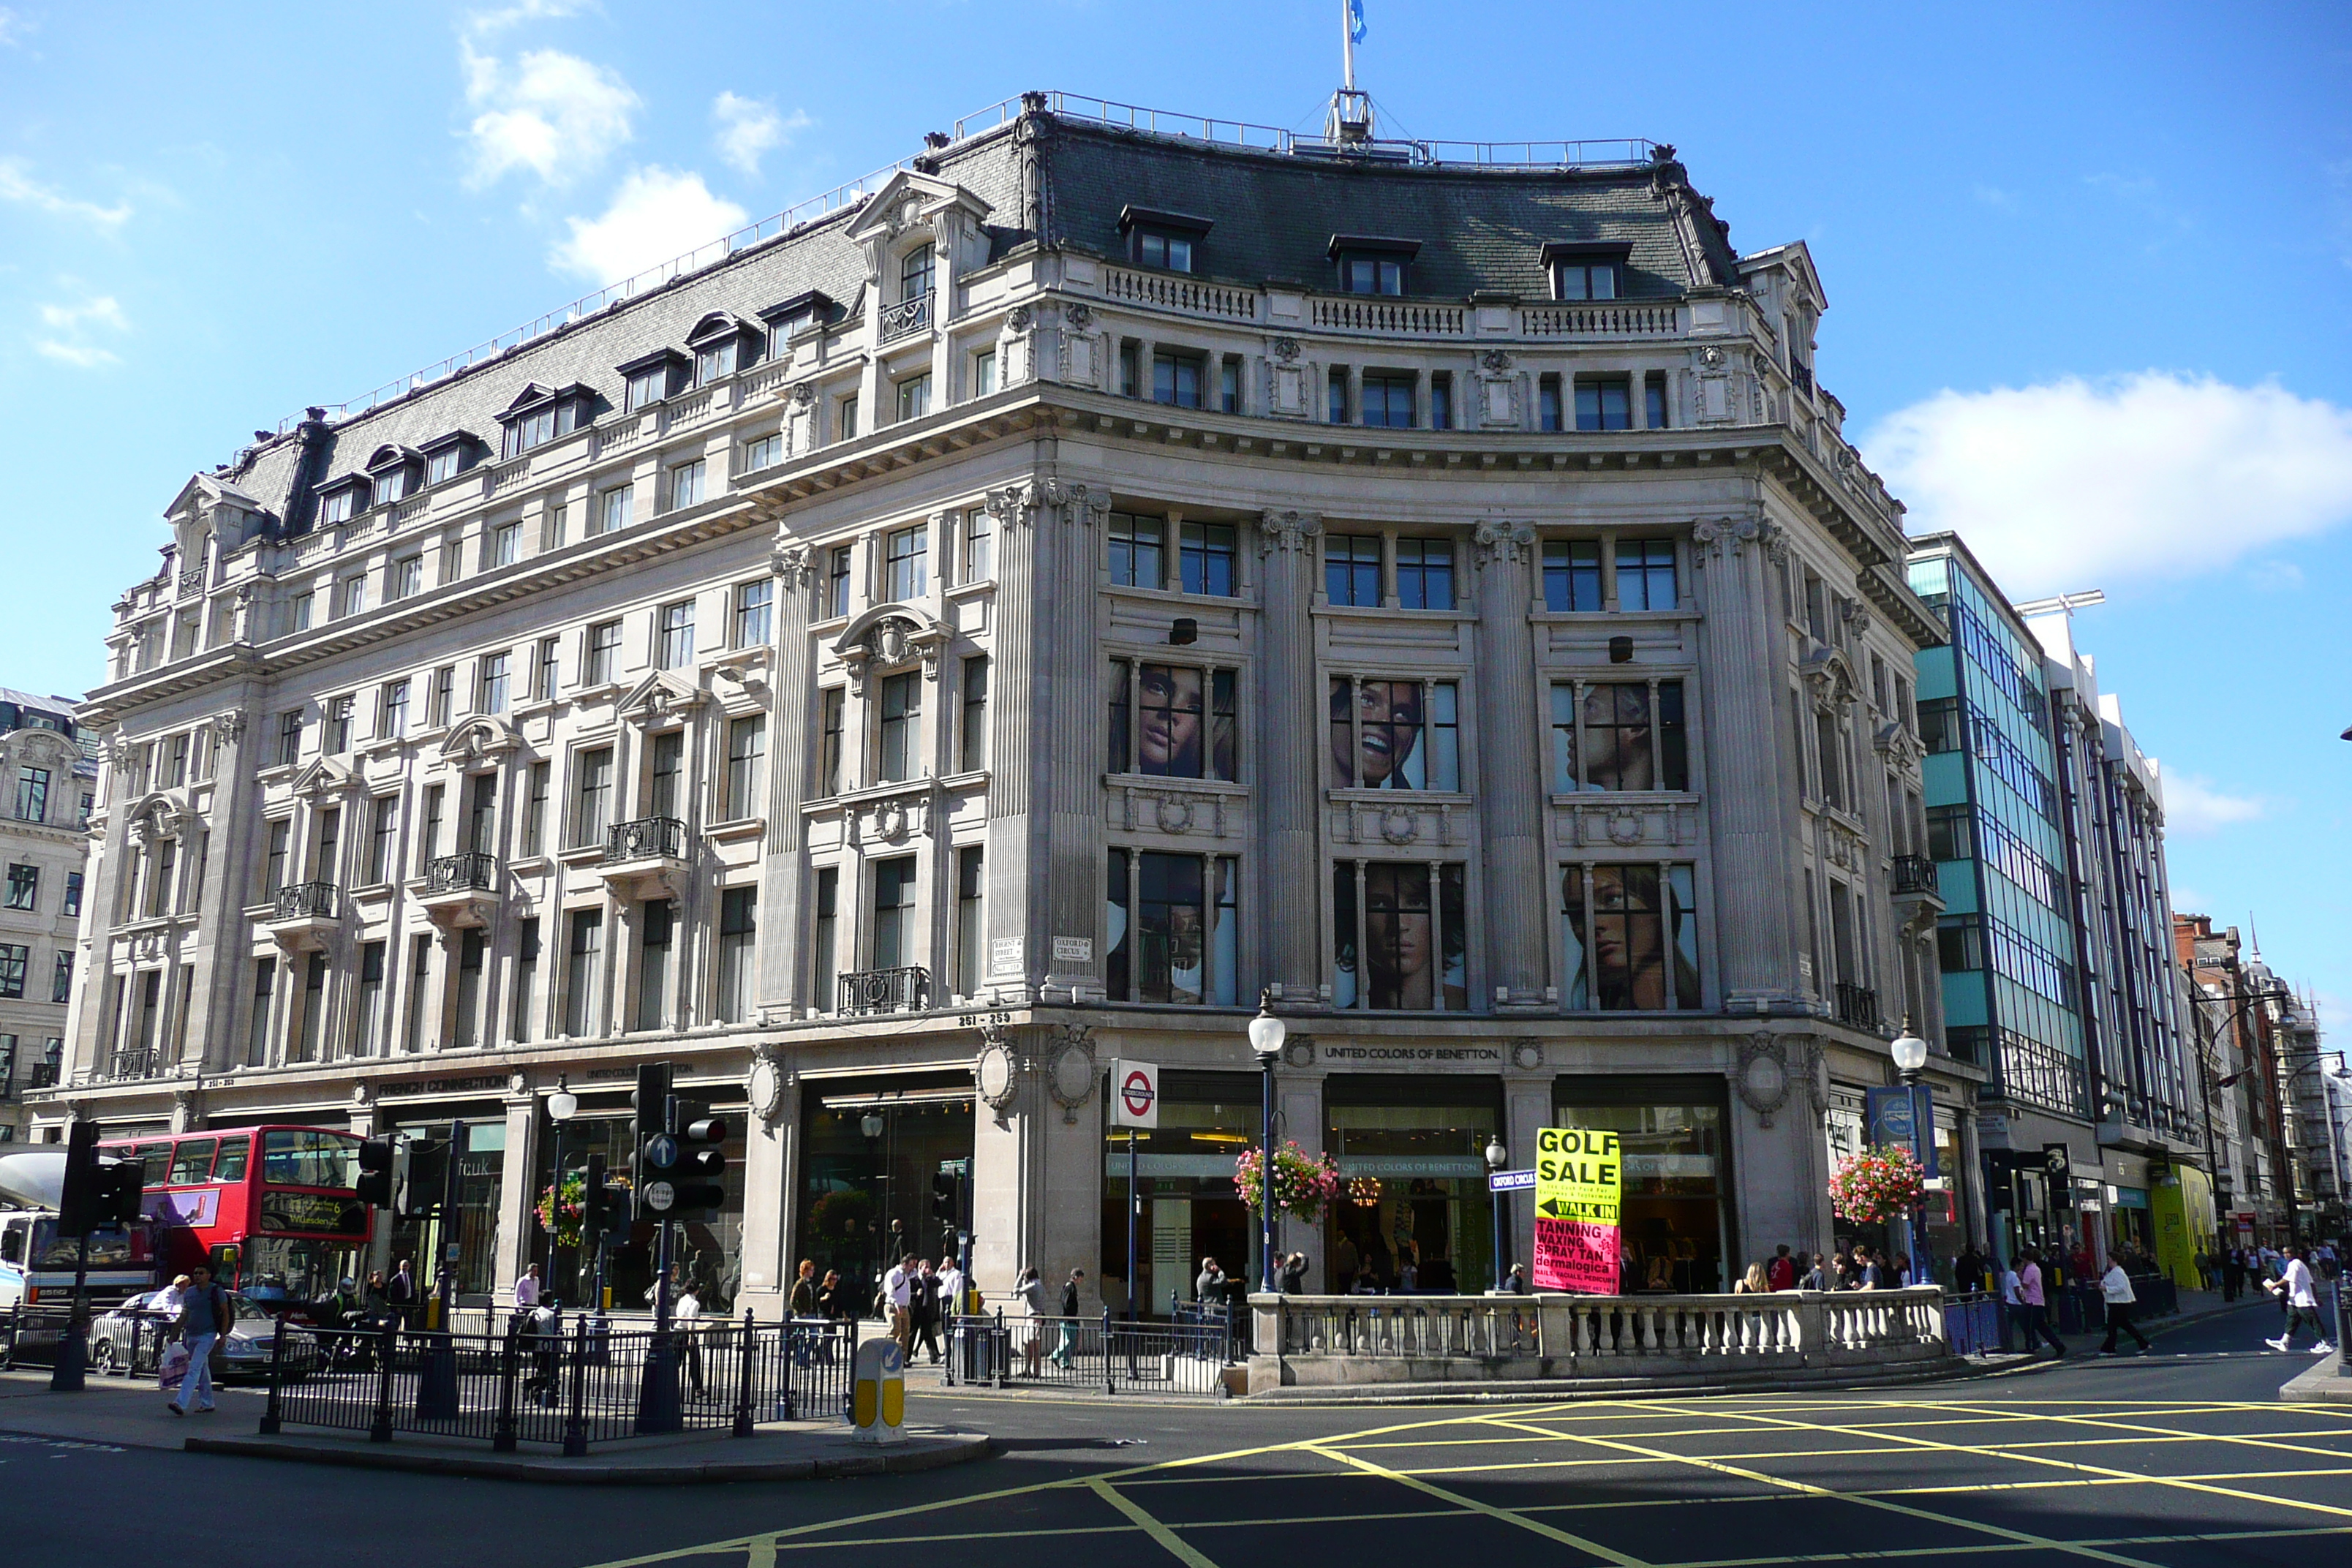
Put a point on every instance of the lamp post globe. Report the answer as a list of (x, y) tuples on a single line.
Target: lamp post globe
[(1910, 1052), (1495, 1155), (562, 1105), (1265, 1037)]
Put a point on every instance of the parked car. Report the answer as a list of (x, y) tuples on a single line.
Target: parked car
[(130, 1340)]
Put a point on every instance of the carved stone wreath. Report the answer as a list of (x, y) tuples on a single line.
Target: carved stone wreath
[(1763, 1081), (1624, 826), (1398, 827), (1495, 361), (1527, 1055), (1286, 349), (1174, 814)]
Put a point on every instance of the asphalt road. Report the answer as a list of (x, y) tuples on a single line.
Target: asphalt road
[(2182, 1458)]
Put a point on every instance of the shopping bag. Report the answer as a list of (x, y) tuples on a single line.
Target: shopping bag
[(173, 1368)]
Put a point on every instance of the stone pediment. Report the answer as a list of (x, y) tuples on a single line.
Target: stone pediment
[(159, 815), (323, 778), (660, 698), (909, 200), (1830, 677), (890, 636), (480, 738), (41, 749)]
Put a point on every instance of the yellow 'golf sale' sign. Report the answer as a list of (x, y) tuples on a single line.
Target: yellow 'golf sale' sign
[(1579, 1185)]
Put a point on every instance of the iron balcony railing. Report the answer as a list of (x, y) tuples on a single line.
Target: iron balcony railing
[(1914, 873), (306, 900), (131, 1061), (1857, 1005), (906, 316), (646, 839), (45, 1075), (460, 873), (907, 989)]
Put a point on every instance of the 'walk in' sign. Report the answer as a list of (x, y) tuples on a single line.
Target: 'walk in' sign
[(1578, 1184)]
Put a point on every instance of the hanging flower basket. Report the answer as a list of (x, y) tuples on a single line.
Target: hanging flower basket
[(1364, 1192), (1304, 1184), (560, 1217), (1877, 1183)]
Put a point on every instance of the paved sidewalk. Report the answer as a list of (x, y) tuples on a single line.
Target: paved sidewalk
[(132, 1415)]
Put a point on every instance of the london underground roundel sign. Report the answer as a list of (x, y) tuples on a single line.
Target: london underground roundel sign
[(1135, 1094)]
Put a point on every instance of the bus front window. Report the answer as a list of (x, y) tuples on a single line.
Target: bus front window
[(306, 1157), (230, 1166), (281, 1267)]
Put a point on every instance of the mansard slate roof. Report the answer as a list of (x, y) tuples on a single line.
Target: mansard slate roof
[(1274, 216)]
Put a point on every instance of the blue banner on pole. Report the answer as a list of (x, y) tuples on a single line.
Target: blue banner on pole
[(1356, 21), (1904, 1116)]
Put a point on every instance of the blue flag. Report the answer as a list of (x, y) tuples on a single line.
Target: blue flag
[(1355, 21)]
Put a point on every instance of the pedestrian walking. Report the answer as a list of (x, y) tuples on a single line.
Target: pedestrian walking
[(1209, 1286), (952, 1290), (2233, 1274), (525, 1289), (205, 1314), (2295, 1288), (401, 1294), (802, 1302), (1029, 1291), (1781, 1274), (1294, 1274), (2117, 1286), (685, 1313), (543, 1335), (1514, 1281), (1066, 1352), (924, 1304), (2036, 1319), (898, 1290)]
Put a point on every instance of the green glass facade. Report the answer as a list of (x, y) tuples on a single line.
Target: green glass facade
[(2005, 941)]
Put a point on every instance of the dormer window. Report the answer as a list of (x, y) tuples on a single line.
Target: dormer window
[(650, 377), (1586, 271), (539, 416), (1161, 239), (917, 272), (340, 504), (810, 308), (1372, 266), (717, 342), (444, 458), (392, 474)]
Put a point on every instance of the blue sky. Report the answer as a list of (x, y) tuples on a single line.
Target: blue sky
[(2089, 272)]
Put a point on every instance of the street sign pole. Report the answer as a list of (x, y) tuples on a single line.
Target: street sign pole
[(1131, 1203)]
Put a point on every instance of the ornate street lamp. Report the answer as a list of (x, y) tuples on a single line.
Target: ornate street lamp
[(561, 1107), (1265, 1037), (1910, 1056), (1495, 1155)]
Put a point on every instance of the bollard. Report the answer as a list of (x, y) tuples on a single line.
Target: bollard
[(575, 1431), (502, 1435), (381, 1431), (743, 1388), (878, 1405), (276, 1364)]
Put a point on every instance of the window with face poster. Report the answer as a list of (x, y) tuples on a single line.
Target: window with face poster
[(1396, 734), (1174, 721), (1632, 937), (1401, 937)]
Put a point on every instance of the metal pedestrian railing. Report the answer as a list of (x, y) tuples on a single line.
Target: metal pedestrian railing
[(558, 1381), (1095, 1355), (1975, 1324)]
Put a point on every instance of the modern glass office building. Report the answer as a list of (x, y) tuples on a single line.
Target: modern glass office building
[(2006, 939)]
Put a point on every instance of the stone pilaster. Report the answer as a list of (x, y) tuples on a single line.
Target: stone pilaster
[(1017, 935), (1510, 770), (1069, 704), (1748, 779), (1289, 864), (792, 740)]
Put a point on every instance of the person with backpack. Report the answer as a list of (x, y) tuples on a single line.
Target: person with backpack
[(1066, 1350), (205, 1314)]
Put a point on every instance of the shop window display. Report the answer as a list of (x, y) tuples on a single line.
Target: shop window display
[(1415, 1216), (1677, 1227)]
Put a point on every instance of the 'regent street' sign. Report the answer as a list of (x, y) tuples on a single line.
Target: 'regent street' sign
[(1578, 1184)]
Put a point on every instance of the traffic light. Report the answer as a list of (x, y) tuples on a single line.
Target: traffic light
[(603, 1207), (701, 1164), (77, 1196), (123, 1188), (375, 1185), (654, 1153), (418, 1189)]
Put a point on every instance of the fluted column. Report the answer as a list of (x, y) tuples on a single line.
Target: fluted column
[(1748, 772), (1016, 740), (1070, 700), (1510, 769), (791, 709), (1290, 866)]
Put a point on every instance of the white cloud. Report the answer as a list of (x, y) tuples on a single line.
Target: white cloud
[(483, 23), (18, 185), (2060, 486), (13, 26), (656, 214), (1994, 196), (749, 129), (81, 356), (551, 113), (2275, 576), (72, 324), (2194, 807)]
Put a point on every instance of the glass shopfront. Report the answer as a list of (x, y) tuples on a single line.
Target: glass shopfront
[(708, 1250), (869, 1148), (1187, 1208), (1415, 1214), (1676, 1211), (425, 1240)]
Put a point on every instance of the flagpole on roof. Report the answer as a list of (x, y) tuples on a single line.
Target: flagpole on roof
[(1348, 44)]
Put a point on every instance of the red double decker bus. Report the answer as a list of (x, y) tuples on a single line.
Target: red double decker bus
[(274, 1211)]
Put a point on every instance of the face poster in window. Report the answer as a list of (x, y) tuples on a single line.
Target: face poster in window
[(1168, 736), (1399, 935), (1387, 742), (1634, 965), (1617, 738)]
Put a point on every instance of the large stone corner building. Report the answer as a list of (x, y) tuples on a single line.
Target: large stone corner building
[(1008, 623)]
